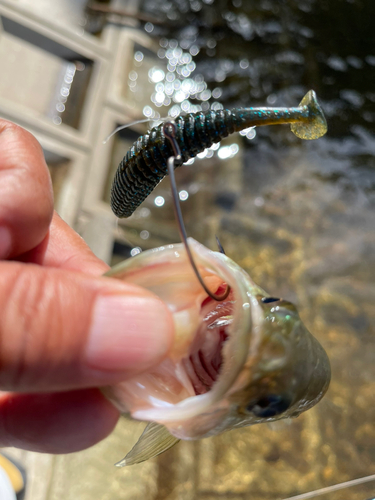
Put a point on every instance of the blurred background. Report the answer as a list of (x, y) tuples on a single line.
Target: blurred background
[(298, 216)]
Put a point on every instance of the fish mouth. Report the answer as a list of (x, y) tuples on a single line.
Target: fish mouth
[(205, 360), (210, 368), (213, 340)]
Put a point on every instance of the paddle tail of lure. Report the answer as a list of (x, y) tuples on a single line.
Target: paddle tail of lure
[(145, 164)]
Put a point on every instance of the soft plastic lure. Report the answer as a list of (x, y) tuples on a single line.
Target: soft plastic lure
[(145, 164)]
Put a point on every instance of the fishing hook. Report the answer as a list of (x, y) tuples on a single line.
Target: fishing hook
[(169, 130)]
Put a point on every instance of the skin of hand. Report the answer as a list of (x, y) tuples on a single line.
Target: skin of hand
[(64, 329)]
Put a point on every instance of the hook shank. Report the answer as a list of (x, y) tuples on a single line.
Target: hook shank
[(169, 130)]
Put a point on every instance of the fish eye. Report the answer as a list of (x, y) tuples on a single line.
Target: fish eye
[(267, 300), (269, 406)]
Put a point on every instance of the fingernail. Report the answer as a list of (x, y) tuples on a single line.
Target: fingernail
[(5, 242), (128, 333)]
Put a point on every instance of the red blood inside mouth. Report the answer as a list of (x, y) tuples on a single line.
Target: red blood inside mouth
[(205, 360)]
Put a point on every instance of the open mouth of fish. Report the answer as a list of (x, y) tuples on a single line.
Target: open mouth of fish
[(204, 362), (212, 340)]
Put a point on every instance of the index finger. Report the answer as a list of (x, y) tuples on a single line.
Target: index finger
[(67, 250), (26, 199)]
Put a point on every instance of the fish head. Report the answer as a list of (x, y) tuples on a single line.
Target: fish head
[(245, 360)]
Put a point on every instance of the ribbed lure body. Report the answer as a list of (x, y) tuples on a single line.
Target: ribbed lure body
[(145, 164)]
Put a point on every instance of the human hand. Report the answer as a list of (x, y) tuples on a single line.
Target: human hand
[(64, 330)]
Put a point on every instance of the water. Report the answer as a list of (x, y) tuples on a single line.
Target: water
[(297, 216)]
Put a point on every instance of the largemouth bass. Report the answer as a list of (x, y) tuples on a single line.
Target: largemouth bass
[(246, 360)]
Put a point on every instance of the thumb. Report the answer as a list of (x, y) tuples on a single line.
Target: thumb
[(62, 330)]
